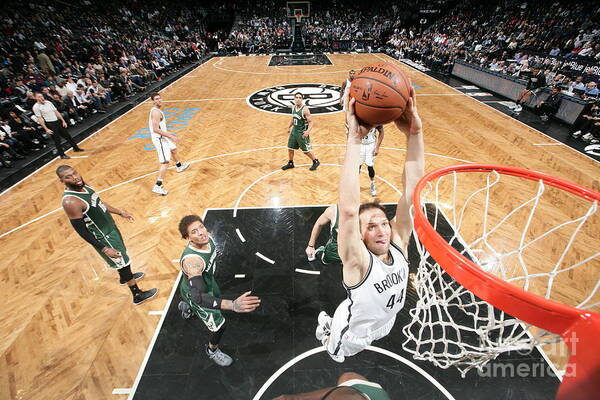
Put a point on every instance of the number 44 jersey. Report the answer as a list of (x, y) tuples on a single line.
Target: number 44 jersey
[(380, 295)]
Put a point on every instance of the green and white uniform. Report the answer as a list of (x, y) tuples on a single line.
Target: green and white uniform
[(372, 390), (213, 319), (102, 225), (330, 250), (299, 126)]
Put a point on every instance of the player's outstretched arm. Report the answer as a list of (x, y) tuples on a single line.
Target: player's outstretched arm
[(350, 246), (323, 220), (193, 266), (410, 124)]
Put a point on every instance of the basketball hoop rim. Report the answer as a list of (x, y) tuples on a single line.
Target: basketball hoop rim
[(536, 310)]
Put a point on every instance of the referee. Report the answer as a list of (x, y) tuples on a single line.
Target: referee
[(48, 116)]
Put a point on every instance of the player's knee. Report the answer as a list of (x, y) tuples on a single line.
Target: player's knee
[(371, 172), (125, 273), (346, 376)]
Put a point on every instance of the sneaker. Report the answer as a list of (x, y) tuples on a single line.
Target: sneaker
[(323, 326), (159, 190), (144, 295), (315, 165), (288, 166), (183, 167), (513, 106), (576, 134), (373, 189), (518, 109), (218, 357), (587, 137), (186, 310), (78, 149), (594, 141), (136, 275)]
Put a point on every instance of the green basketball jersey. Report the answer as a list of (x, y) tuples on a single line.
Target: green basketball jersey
[(335, 224), (299, 122), (209, 256), (97, 218)]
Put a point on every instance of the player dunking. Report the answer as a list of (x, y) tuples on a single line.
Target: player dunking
[(91, 219), (199, 289), (299, 130), (373, 249), (164, 142)]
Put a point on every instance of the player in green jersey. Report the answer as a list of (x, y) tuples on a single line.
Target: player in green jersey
[(299, 129), (93, 221), (330, 249), (350, 386), (199, 289)]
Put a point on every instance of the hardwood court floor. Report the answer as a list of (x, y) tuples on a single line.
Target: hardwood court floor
[(70, 332)]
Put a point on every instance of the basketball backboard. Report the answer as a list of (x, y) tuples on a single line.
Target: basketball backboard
[(296, 8)]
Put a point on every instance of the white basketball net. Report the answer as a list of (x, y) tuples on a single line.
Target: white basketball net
[(451, 326)]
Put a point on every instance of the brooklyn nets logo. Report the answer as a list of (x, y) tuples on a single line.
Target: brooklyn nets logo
[(320, 98)]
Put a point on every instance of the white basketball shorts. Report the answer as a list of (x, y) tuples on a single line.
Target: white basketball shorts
[(343, 342), (163, 147), (366, 154)]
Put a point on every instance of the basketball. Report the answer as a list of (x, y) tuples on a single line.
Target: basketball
[(381, 91)]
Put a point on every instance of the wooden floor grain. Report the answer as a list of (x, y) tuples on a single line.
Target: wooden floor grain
[(70, 332)]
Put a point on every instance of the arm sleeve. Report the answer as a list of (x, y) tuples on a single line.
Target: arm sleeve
[(82, 230), (199, 295)]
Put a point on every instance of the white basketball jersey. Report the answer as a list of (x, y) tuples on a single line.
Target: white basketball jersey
[(380, 295), (370, 137), (162, 124)]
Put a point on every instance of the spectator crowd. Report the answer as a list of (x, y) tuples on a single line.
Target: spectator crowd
[(84, 57)]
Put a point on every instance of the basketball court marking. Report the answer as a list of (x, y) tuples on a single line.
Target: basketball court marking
[(192, 100), (217, 65), (375, 349), (267, 259), (240, 235), (558, 143), (547, 144), (288, 67), (307, 271), (131, 391), (210, 158)]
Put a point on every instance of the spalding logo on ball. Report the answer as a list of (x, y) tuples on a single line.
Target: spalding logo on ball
[(381, 91)]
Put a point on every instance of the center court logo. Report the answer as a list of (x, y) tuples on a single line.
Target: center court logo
[(320, 98)]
